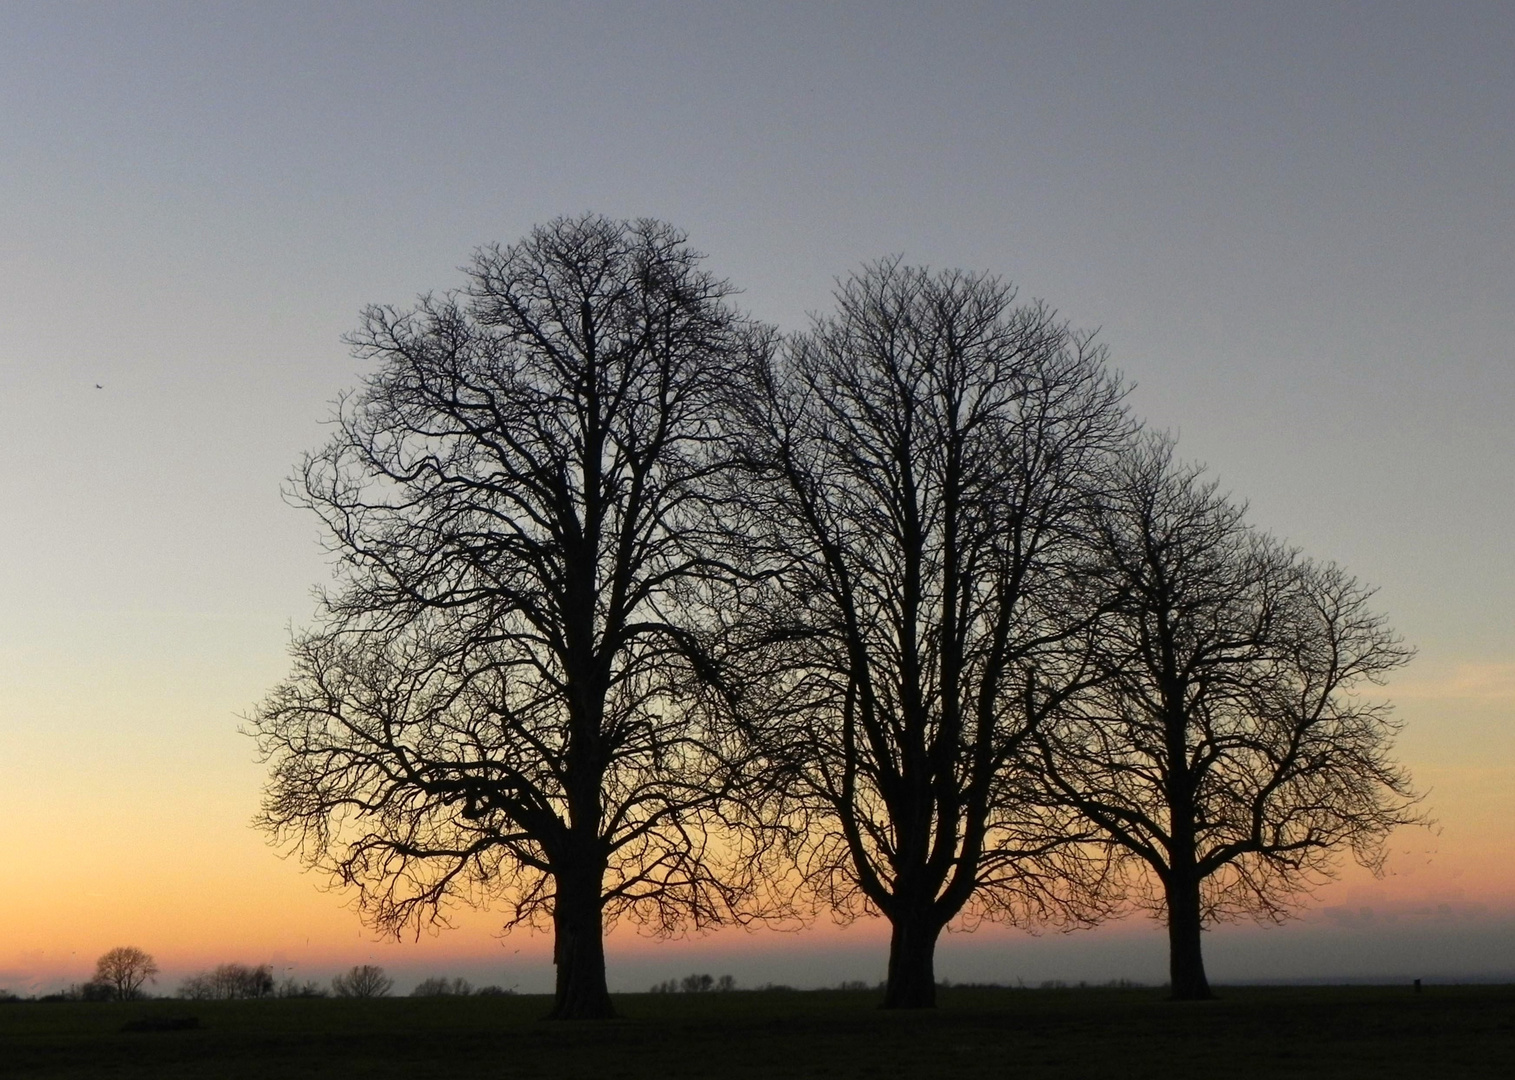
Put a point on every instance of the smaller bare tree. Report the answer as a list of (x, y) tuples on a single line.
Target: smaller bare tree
[(229, 982), (1226, 749), (362, 981), (125, 970), (442, 986), (292, 988)]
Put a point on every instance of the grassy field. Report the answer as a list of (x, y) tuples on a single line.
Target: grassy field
[(1252, 1032)]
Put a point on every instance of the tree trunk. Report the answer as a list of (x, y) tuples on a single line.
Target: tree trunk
[(579, 950), (1186, 964), (912, 963)]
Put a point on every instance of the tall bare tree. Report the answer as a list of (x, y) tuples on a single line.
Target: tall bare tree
[(1225, 749), (918, 477), (501, 698)]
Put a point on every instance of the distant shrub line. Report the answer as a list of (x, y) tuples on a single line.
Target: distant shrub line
[(239, 982), (121, 973), (694, 984)]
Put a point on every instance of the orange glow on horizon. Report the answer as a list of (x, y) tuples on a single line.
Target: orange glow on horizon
[(112, 846)]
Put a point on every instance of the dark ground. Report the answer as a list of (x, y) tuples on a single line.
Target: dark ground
[(1336, 1032)]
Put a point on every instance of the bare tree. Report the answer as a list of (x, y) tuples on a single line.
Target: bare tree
[(502, 699), (229, 982), (1225, 749), (292, 988), (362, 981), (919, 464), (125, 970), (441, 986)]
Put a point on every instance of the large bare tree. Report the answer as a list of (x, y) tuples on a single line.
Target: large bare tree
[(1225, 749), (501, 699), (919, 464)]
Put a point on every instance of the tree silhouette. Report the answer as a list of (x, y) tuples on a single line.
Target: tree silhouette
[(229, 982), (125, 970), (502, 700), (362, 981), (920, 466), (441, 986), (1225, 748)]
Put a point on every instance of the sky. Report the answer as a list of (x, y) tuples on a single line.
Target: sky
[(1292, 224)]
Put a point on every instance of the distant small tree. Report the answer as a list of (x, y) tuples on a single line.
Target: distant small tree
[(441, 986), (229, 982), (362, 981), (255, 982), (199, 987), (290, 988), (125, 970), (696, 984), (725, 984)]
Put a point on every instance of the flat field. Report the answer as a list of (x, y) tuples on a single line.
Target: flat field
[(1336, 1032)]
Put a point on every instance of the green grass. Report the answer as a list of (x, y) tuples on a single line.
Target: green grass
[(1252, 1032)]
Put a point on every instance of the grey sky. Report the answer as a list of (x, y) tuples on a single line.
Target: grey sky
[(1294, 224)]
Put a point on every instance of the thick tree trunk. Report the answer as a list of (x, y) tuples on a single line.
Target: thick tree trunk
[(912, 964), (1186, 964), (579, 950)]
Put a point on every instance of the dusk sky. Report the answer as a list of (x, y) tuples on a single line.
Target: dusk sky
[(1293, 225)]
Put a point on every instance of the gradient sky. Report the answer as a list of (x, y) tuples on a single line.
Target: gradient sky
[(1294, 225)]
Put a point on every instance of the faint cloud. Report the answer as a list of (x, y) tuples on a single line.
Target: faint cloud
[(1349, 917), (1449, 911), (1489, 683)]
